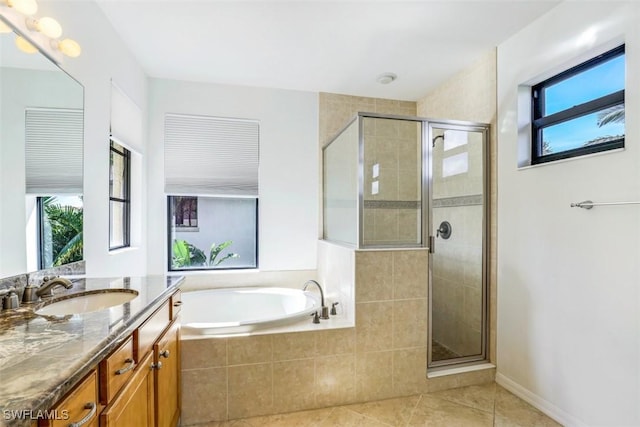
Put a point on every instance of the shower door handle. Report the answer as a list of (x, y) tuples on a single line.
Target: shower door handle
[(432, 242)]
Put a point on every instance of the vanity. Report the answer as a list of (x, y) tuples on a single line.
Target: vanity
[(118, 366)]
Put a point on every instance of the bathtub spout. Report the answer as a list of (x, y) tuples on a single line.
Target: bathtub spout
[(324, 310)]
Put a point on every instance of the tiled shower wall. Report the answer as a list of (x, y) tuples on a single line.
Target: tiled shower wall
[(383, 356), (392, 182), (471, 96), (383, 223)]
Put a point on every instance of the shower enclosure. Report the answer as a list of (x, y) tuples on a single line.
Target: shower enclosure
[(409, 183)]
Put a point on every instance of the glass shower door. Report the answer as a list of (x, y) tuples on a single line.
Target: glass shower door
[(458, 293)]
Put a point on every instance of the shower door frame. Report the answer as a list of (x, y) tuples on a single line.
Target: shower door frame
[(427, 239), (483, 128)]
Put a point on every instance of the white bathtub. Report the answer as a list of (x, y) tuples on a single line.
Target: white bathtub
[(242, 310)]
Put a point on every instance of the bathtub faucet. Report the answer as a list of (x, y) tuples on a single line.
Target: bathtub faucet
[(325, 310)]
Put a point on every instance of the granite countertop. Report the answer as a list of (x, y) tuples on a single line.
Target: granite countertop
[(41, 359)]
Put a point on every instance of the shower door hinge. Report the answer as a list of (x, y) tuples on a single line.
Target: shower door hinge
[(432, 242)]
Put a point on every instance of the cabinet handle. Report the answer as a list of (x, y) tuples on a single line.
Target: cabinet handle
[(126, 369), (156, 365), (177, 303), (92, 407), (164, 354)]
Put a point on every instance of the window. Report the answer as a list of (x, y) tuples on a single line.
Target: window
[(119, 200), (211, 179), (59, 230), (580, 111), (227, 236)]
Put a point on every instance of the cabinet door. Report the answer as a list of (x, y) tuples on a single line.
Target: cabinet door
[(134, 405), (167, 357), (80, 405)]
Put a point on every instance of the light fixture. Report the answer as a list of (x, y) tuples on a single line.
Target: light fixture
[(47, 26), (25, 7), (24, 45), (386, 78), (69, 47), (4, 28)]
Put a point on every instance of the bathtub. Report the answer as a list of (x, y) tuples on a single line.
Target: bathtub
[(242, 310)]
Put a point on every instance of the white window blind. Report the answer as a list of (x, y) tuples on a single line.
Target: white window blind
[(53, 156), (211, 155)]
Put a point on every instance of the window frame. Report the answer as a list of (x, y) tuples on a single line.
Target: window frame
[(539, 121), (126, 201), (170, 229), (40, 219)]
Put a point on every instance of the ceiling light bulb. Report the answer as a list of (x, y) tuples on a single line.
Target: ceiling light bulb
[(47, 26), (26, 7), (24, 45), (4, 28), (386, 78), (69, 47)]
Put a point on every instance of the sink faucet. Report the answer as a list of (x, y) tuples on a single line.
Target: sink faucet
[(48, 284), (325, 310)]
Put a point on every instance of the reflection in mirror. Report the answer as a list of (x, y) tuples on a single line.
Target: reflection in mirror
[(41, 140)]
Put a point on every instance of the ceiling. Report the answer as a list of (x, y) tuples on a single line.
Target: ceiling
[(319, 46)]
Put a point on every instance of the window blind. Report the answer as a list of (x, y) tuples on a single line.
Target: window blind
[(53, 150), (211, 155)]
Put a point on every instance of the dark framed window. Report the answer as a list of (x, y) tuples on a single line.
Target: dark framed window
[(119, 196), (227, 235), (581, 110)]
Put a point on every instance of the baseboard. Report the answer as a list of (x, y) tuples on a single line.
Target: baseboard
[(539, 403)]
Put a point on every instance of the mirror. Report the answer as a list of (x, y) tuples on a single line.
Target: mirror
[(41, 140)]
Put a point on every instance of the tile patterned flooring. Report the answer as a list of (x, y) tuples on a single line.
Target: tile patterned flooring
[(484, 405)]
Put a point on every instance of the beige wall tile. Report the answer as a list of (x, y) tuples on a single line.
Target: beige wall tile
[(253, 349), (250, 390), (374, 326), (204, 396), (335, 380), (409, 371), (293, 385), (374, 276), (410, 274), (294, 346), (410, 323), (374, 376), (204, 353), (335, 341)]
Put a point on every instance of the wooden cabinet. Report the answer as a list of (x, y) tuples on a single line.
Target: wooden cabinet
[(167, 393), (79, 406), (116, 370), (134, 406), (138, 384)]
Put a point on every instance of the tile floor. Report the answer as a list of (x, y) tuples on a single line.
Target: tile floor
[(485, 405)]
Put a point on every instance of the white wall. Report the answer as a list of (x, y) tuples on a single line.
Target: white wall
[(288, 174), (104, 57), (568, 279)]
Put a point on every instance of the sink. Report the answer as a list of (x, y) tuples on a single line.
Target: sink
[(86, 302)]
